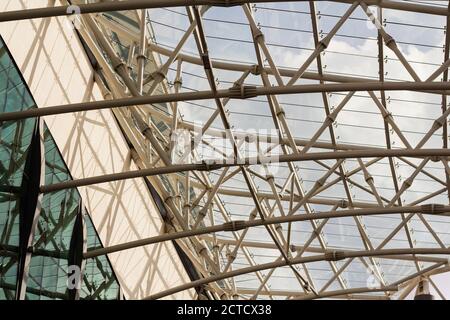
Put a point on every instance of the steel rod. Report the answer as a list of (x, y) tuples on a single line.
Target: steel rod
[(240, 225), (145, 4), (234, 93), (310, 259), (345, 292), (212, 165)]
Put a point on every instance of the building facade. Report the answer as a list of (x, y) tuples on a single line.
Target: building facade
[(38, 246)]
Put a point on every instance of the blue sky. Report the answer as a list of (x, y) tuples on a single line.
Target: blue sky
[(353, 51)]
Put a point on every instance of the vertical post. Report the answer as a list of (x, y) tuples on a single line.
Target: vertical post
[(30, 205), (142, 49)]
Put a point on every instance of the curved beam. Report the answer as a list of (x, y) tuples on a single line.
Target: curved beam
[(300, 260), (242, 92), (113, 6), (213, 164), (239, 225), (345, 292), (145, 4)]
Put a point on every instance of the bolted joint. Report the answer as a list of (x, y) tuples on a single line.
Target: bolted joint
[(389, 41), (231, 256), (206, 166), (224, 296), (439, 122), (206, 61), (234, 225), (293, 248), (433, 208), (281, 112), (435, 159), (320, 182), (334, 255), (269, 177), (216, 247), (178, 82), (387, 116), (141, 57), (144, 128), (369, 178), (255, 70), (307, 287), (157, 75), (201, 249), (343, 204), (324, 43), (242, 92), (278, 227), (118, 65), (168, 198), (259, 36), (408, 183), (331, 118), (187, 206)]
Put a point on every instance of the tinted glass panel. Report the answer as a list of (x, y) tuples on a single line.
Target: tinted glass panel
[(52, 239)]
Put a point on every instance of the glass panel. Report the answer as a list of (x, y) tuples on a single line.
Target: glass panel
[(99, 280), (49, 264)]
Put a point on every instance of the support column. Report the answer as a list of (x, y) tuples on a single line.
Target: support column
[(30, 205)]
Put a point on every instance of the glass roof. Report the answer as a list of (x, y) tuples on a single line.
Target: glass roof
[(295, 36)]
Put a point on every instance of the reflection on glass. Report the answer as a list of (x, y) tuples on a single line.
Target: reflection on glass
[(49, 263)]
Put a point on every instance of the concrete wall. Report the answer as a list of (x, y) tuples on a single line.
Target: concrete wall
[(57, 71)]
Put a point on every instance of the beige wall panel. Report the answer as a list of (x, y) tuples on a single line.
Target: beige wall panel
[(58, 72)]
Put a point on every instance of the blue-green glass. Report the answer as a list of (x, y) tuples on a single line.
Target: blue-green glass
[(49, 264), (101, 282)]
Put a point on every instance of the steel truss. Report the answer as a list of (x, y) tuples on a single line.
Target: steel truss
[(194, 215)]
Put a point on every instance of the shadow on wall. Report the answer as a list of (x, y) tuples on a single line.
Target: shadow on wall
[(58, 72)]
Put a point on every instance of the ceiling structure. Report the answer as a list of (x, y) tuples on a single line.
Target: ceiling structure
[(300, 147)]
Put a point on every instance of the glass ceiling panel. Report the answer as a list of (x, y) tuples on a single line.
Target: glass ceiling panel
[(360, 51)]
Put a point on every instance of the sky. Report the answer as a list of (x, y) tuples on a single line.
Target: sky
[(353, 51)]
